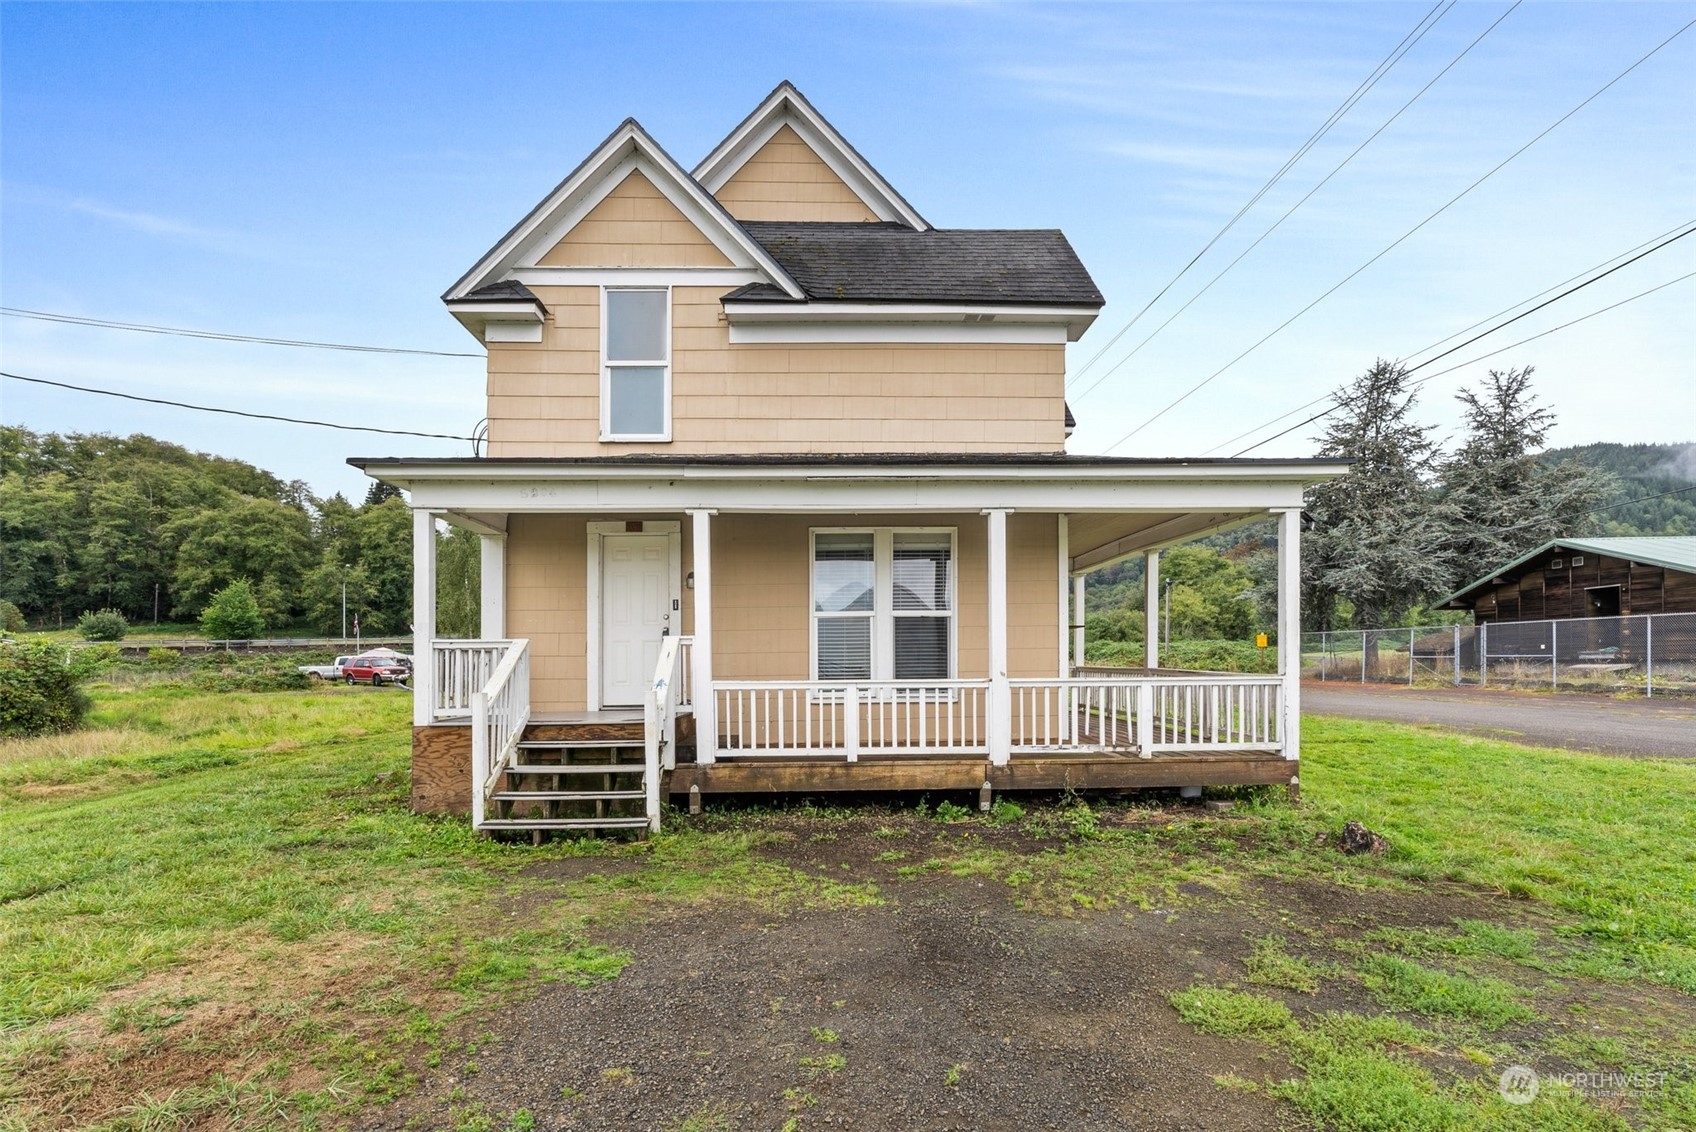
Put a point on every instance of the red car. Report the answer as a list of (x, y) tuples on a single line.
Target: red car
[(375, 670)]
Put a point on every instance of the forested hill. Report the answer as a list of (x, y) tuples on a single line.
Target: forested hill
[(1644, 470), (90, 521)]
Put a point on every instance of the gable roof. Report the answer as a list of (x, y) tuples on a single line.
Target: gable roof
[(627, 148), (891, 263), (787, 106), (1672, 552)]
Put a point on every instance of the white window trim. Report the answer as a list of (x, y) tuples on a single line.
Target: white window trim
[(607, 435), (884, 613)]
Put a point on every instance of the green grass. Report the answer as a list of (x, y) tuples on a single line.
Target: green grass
[(1610, 841), (1408, 985), (1271, 965)]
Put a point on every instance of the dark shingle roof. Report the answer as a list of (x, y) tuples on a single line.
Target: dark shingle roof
[(506, 291), (891, 263)]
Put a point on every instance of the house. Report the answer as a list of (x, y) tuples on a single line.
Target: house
[(1586, 577), (776, 498)]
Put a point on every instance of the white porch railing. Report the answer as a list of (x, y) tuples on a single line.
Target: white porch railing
[(1193, 713), (462, 668), (786, 718), (500, 709), (1217, 713)]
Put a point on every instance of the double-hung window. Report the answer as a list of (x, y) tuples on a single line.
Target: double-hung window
[(883, 604), (636, 363)]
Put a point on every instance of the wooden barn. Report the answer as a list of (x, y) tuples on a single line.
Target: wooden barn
[(1594, 577)]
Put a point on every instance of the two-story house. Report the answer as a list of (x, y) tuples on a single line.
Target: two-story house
[(776, 497)]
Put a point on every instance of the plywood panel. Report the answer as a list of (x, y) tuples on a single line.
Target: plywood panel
[(786, 180), (441, 769)]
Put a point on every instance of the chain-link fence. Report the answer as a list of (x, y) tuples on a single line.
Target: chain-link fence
[(1653, 654)]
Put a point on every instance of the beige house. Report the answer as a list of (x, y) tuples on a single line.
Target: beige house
[(776, 497)]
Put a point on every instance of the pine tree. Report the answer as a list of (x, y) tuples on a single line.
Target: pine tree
[(1380, 539), (1506, 499)]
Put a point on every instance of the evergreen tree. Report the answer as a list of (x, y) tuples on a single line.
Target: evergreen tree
[(380, 492), (1380, 538), (232, 614), (1506, 499)]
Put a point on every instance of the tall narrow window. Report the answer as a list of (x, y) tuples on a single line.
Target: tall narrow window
[(883, 605), (636, 367)]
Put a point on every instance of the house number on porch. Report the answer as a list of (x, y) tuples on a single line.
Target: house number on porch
[(536, 492)]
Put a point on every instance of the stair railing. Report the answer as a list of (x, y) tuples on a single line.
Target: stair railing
[(659, 720), (500, 710)]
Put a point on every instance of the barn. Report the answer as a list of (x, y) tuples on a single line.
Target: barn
[(1589, 577)]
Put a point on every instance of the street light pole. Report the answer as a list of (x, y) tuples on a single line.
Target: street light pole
[(344, 603)]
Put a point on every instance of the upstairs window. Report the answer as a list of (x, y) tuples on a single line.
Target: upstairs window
[(883, 605), (636, 364)]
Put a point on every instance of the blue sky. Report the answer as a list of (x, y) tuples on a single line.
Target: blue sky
[(324, 171)]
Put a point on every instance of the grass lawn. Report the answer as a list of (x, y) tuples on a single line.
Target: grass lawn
[(217, 911)]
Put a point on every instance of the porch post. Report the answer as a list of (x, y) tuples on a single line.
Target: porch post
[(1289, 625), (706, 700), (423, 618), (1151, 609), (494, 587), (1000, 704), (1078, 641)]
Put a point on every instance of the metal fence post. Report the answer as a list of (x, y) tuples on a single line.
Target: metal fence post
[(1410, 635), (1363, 656), (1649, 656), (1554, 655), (1457, 656), (1483, 654)]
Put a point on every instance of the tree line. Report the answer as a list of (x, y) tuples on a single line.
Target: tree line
[(153, 530)]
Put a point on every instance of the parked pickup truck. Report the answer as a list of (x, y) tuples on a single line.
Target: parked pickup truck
[(326, 671)]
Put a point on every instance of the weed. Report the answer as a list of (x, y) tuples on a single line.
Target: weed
[(1005, 811), (888, 832), (952, 812), (1272, 966), (619, 1075), (822, 1034), (709, 1117), (827, 1065), (521, 1121), (798, 1099), (1231, 1014), (951, 1077), (1236, 1083), (1404, 983), (890, 855)]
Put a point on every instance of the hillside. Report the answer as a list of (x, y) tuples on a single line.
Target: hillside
[(1644, 470)]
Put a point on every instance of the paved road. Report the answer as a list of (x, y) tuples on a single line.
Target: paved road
[(1648, 727)]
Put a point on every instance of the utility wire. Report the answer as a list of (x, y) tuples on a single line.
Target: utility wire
[(1400, 239), (1276, 224), (232, 412), (1640, 499), (1428, 377), (1458, 333), (1425, 24), (216, 336)]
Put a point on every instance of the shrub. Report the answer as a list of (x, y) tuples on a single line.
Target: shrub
[(11, 618), (103, 625), (38, 691), (163, 658), (233, 615)]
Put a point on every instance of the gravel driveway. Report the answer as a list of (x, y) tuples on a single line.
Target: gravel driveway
[(1662, 728)]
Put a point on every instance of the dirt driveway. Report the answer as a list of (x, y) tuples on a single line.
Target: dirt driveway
[(1659, 728), (946, 1005)]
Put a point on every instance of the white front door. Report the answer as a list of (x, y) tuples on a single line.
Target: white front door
[(635, 613)]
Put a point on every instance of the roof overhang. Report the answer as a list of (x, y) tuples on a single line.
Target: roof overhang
[(787, 106), (755, 320), (1118, 508), (628, 148), (508, 320)]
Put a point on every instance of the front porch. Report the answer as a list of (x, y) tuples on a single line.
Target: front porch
[(830, 627)]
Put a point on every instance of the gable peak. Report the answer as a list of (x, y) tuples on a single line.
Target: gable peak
[(787, 106)]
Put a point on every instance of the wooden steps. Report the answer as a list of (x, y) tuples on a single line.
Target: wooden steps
[(573, 777)]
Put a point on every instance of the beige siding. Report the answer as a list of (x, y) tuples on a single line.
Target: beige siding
[(635, 226), (761, 575), (544, 397), (786, 180)]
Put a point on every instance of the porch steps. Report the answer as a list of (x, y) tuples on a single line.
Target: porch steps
[(570, 777)]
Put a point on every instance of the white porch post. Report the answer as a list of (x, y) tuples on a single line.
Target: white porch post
[(1064, 568), (1078, 641), (423, 618), (494, 587), (706, 700), (1000, 705), (1289, 626), (1151, 609)]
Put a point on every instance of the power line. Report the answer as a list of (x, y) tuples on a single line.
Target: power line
[(1640, 499), (1425, 24), (1479, 358), (218, 336), (1276, 224), (232, 412), (1474, 326), (1400, 239)]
